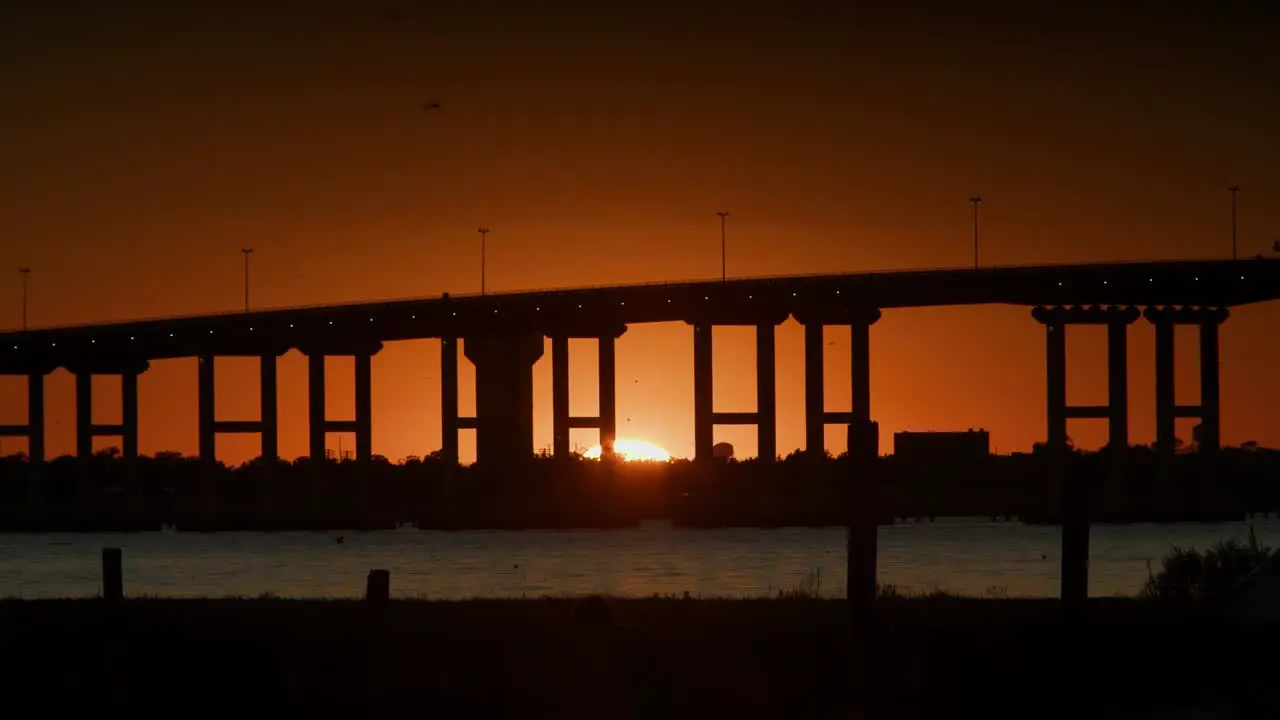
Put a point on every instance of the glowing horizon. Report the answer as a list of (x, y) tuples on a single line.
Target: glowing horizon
[(632, 450)]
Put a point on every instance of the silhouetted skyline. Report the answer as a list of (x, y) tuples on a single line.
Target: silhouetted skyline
[(146, 148)]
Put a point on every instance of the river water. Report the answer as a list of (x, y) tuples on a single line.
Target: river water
[(959, 556)]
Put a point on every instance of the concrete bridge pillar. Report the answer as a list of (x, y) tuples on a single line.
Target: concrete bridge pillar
[(814, 391), (1210, 395), (504, 395), (1118, 322), (129, 416), (449, 424), (316, 414), (208, 438), (1166, 320), (35, 432), (703, 394), (608, 379), (364, 406), (270, 407), (766, 392), (765, 417), (1072, 495), (84, 416), (267, 425), (85, 494), (560, 426), (319, 424), (606, 420), (859, 319), (205, 409), (87, 429)]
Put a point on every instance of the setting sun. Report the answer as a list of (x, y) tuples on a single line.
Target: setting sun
[(633, 450)]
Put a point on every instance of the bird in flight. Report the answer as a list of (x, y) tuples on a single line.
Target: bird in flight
[(433, 105)]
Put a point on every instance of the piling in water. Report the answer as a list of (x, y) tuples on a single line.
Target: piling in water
[(112, 575), (378, 586)]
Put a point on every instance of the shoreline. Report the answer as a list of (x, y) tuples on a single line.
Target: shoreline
[(768, 657)]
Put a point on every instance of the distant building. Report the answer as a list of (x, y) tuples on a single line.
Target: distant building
[(722, 451), (942, 447)]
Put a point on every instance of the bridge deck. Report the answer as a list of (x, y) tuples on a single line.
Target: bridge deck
[(587, 311)]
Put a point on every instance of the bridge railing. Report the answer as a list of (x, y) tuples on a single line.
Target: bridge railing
[(785, 277)]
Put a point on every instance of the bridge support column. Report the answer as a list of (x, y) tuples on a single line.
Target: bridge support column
[(449, 401), (1074, 491), (129, 418), (1118, 407), (1208, 442), (267, 425), (765, 416), (318, 419), (316, 414), (205, 408), (1166, 409), (814, 398), (364, 406), (35, 433), (860, 368), (608, 379), (129, 439), (766, 393), (270, 407), (208, 439), (84, 417), (859, 319), (606, 420), (87, 491), (504, 395), (560, 446), (126, 430), (703, 394)]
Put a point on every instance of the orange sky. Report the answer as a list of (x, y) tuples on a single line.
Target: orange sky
[(145, 145)]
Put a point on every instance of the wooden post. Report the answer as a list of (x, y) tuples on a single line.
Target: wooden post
[(864, 452), (378, 587), (864, 525), (112, 575)]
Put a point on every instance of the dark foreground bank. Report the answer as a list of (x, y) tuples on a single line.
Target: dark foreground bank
[(930, 657)]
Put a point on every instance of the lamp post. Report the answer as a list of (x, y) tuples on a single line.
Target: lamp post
[(975, 200), (1234, 190), (723, 271), (247, 252), (26, 273), (484, 233)]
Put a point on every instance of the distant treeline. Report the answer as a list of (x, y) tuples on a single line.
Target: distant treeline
[(173, 489)]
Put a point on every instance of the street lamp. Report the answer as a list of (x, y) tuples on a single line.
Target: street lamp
[(26, 273), (1234, 190), (484, 232), (723, 273), (247, 252), (975, 200)]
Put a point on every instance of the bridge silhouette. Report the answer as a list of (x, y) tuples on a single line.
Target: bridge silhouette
[(502, 335)]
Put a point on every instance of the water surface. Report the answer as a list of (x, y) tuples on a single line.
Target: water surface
[(975, 558)]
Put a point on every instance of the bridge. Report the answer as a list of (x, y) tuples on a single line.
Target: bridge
[(502, 335)]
